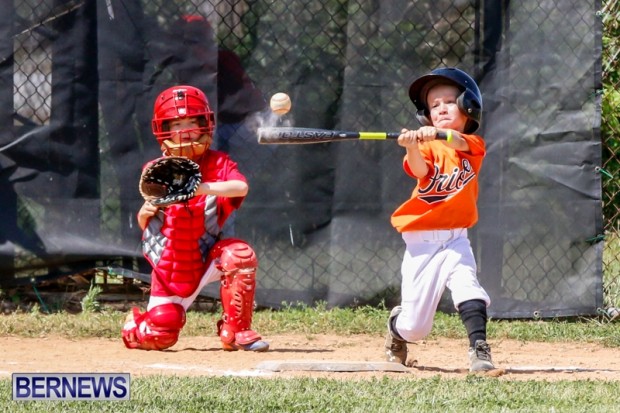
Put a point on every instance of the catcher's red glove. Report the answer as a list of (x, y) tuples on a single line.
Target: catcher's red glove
[(170, 179)]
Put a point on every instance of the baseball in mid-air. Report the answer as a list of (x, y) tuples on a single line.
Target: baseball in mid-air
[(280, 103)]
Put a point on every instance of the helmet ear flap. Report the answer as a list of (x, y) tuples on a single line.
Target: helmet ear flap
[(469, 105), (423, 118)]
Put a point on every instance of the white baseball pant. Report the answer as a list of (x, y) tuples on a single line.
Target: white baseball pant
[(433, 261)]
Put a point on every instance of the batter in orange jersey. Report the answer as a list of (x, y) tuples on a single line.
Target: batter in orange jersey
[(433, 222)]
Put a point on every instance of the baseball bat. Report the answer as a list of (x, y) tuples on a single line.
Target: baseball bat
[(292, 135)]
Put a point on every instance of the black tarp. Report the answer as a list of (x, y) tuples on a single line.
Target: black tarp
[(78, 79)]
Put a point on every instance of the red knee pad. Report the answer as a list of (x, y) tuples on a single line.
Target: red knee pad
[(232, 254), (157, 329)]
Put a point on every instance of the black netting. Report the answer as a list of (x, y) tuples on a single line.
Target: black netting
[(79, 79)]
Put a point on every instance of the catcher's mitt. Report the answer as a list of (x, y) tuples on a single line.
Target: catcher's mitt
[(167, 180)]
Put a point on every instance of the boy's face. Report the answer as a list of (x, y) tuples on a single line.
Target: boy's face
[(188, 139), (444, 112), (187, 129)]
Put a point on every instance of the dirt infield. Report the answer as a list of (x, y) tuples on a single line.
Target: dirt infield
[(200, 356)]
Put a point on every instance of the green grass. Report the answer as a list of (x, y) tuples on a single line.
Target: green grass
[(315, 320), (222, 394)]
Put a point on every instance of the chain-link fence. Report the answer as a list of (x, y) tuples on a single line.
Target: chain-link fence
[(318, 215), (610, 132)]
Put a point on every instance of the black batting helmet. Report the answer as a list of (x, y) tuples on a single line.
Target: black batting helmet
[(469, 101)]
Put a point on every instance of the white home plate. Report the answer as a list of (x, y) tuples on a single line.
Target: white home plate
[(322, 365)]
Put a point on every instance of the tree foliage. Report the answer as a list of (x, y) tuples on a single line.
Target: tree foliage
[(610, 122)]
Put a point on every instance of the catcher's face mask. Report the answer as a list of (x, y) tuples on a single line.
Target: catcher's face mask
[(183, 122), (187, 138)]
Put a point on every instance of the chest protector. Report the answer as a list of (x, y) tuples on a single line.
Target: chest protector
[(176, 242)]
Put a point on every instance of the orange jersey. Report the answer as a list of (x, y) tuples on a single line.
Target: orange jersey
[(446, 197)]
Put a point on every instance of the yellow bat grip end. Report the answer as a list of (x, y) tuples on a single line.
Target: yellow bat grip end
[(373, 135)]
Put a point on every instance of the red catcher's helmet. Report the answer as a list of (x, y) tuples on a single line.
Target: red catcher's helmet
[(469, 101), (180, 102)]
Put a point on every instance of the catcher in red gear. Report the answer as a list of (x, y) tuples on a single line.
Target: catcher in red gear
[(182, 241)]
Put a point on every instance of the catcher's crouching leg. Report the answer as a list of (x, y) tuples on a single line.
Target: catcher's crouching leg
[(238, 262), (156, 329)]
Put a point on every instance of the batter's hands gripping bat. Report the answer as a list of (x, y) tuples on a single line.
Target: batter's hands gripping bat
[(292, 135)]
